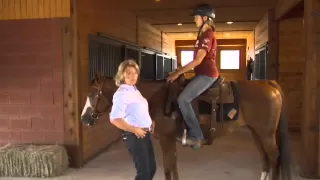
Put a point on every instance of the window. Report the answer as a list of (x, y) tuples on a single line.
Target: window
[(230, 59), (186, 57)]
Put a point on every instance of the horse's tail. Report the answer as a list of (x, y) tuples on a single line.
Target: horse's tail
[(284, 160)]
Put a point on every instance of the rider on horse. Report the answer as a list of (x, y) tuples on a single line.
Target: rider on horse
[(204, 65)]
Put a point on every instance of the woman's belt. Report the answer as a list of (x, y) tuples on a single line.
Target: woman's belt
[(146, 129)]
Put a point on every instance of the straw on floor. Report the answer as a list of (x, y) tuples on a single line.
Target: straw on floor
[(27, 160)]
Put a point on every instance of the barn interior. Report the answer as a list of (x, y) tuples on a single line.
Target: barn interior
[(265, 31), (63, 43)]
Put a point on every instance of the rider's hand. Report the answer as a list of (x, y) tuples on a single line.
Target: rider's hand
[(173, 76), (140, 133)]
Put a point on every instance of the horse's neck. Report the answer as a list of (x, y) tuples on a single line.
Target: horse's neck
[(109, 90)]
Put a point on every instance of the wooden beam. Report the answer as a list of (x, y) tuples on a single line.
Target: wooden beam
[(284, 6), (310, 149), (22, 9), (261, 32), (70, 88)]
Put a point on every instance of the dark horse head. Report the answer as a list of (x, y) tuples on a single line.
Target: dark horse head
[(98, 101)]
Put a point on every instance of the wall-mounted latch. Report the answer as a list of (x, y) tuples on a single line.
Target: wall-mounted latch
[(315, 13)]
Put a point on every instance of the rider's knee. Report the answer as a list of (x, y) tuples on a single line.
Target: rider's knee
[(181, 100)]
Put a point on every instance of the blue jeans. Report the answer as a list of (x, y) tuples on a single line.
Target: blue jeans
[(141, 151), (195, 87)]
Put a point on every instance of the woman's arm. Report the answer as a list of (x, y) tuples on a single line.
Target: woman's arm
[(118, 112), (200, 56), (204, 46), (121, 124)]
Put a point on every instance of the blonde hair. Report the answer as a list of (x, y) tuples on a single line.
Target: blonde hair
[(211, 24), (119, 78)]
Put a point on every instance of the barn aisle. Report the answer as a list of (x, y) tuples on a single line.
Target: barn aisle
[(232, 157)]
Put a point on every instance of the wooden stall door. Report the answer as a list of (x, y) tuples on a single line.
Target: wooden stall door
[(233, 74)]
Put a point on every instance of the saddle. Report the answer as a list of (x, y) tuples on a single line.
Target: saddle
[(220, 90), (221, 103)]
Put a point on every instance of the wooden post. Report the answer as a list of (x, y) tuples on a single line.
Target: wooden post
[(310, 146), (273, 39), (73, 137)]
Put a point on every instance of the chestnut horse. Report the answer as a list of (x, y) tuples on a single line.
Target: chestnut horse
[(261, 109)]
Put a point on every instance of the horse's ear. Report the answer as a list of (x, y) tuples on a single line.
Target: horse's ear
[(97, 76)]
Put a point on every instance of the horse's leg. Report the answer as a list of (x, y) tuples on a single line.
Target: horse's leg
[(167, 133), (263, 100), (270, 146), (268, 137), (268, 140), (264, 156), (169, 154)]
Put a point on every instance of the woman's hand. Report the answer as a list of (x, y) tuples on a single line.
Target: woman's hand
[(140, 133), (173, 76)]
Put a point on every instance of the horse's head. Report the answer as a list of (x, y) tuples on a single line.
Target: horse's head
[(97, 102)]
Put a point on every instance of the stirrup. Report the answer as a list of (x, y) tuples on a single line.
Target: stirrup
[(184, 138)]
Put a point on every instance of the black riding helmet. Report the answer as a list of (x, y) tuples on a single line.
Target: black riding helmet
[(204, 10)]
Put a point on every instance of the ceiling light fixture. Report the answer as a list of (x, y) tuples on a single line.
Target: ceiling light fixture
[(228, 34), (179, 24), (229, 22)]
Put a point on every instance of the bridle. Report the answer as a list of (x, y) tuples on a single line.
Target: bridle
[(95, 115)]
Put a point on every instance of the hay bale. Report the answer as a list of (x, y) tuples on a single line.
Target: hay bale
[(27, 160)]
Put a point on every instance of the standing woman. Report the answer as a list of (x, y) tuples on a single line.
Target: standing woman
[(205, 68), (130, 113)]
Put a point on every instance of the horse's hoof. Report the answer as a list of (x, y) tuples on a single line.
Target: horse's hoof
[(195, 147)]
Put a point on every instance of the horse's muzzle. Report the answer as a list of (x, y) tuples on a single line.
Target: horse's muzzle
[(89, 119)]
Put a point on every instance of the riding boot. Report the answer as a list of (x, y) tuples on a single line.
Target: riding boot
[(196, 144)]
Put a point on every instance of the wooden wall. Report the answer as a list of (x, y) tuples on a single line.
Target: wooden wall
[(292, 63), (223, 44), (285, 60), (100, 16), (151, 37), (34, 9), (310, 134), (250, 45), (266, 33), (261, 32), (168, 45), (273, 46)]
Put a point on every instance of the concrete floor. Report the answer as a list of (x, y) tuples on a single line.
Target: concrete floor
[(231, 157)]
